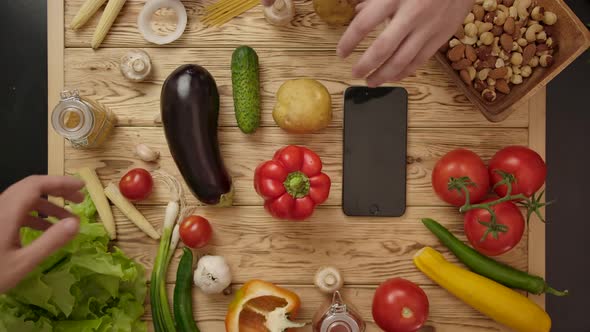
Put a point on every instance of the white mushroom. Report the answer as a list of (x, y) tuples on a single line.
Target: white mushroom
[(281, 12), (136, 65), (212, 275), (328, 279)]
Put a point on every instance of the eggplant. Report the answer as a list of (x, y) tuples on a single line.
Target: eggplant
[(190, 112)]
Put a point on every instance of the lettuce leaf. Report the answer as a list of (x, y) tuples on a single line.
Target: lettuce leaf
[(84, 286)]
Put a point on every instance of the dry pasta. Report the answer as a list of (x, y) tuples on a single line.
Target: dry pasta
[(225, 10)]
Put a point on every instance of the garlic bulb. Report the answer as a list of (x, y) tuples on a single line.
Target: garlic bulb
[(136, 65), (212, 275)]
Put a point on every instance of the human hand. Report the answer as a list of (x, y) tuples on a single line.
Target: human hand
[(416, 31), (16, 204), (267, 2)]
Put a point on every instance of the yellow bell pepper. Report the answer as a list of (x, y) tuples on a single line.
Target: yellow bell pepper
[(499, 302)]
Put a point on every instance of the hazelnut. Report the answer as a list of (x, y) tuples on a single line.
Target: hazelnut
[(469, 18), (516, 58), (538, 13), (490, 17), (534, 61), (526, 71), (515, 70), (490, 5), (491, 81), (483, 74), (488, 95), (470, 29), (516, 79), (546, 60), (549, 18), (522, 42), (487, 38), (502, 86)]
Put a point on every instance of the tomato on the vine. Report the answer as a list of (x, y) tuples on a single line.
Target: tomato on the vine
[(490, 239), (137, 184), (195, 231), (400, 305), (459, 164), (527, 167)]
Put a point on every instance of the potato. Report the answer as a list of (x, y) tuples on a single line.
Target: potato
[(335, 12), (303, 106)]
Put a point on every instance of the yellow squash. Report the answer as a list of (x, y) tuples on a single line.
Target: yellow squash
[(500, 303)]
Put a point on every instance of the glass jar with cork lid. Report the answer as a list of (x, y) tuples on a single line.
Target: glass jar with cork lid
[(82, 121)]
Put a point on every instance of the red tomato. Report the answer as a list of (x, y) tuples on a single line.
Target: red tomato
[(460, 163), (400, 305), (526, 165), (137, 184), (507, 214), (195, 231)]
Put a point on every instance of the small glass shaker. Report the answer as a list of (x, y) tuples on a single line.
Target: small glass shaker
[(337, 316)]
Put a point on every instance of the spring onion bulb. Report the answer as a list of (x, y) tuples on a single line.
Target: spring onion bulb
[(145, 17)]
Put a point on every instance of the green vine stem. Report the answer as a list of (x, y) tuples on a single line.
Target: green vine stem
[(533, 204)]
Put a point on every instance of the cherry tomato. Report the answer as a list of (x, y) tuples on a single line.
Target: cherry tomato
[(508, 215), (137, 184), (400, 305), (460, 163), (195, 231), (526, 165)]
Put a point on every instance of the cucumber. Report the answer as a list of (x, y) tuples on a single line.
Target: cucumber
[(488, 267), (246, 88), (183, 297)]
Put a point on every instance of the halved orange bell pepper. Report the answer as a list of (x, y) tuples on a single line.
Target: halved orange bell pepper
[(260, 306)]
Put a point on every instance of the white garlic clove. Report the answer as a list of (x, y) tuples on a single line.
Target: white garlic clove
[(145, 153)]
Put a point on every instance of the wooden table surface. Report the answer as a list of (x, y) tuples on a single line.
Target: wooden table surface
[(367, 250)]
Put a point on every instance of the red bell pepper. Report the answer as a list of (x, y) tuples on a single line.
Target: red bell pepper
[(292, 183)]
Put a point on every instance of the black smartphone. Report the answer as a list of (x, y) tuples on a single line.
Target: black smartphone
[(375, 140)]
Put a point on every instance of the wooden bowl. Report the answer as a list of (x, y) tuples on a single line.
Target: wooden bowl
[(573, 38)]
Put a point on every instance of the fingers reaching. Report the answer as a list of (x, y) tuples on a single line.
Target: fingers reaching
[(60, 186), (36, 223), (366, 21), (268, 2), (49, 209)]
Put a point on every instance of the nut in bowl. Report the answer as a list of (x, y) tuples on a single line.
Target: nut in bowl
[(506, 50)]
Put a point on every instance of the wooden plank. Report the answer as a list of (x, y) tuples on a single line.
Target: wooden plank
[(537, 138), (243, 154), (434, 100), (366, 250), (305, 31), (447, 314), (55, 84)]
